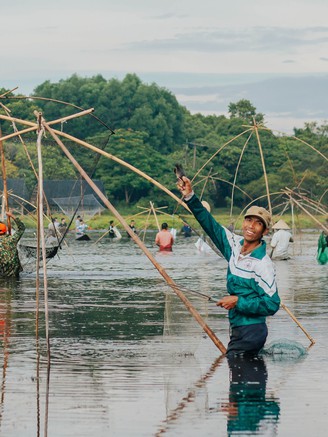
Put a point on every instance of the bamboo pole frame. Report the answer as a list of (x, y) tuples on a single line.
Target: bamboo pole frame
[(54, 134), (137, 240), (95, 149), (325, 228)]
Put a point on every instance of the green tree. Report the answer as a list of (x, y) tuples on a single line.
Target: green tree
[(120, 182), (245, 110)]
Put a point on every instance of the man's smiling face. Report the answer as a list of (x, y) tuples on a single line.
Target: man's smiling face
[(253, 229)]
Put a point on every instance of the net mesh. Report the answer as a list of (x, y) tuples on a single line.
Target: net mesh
[(28, 255), (181, 333), (284, 349), (89, 204)]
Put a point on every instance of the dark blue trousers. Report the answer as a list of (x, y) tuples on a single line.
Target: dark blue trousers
[(247, 339)]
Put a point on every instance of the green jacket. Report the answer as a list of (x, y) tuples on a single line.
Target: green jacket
[(9, 260), (322, 252), (250, 277)]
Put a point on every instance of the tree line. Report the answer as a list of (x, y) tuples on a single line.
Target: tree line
[(144, 125)]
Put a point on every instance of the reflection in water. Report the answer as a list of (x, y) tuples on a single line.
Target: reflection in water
[(5, 328), (194, 397), (116, 357), (249, 408)]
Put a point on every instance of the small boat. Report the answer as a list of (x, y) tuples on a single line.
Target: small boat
[(83, 237)]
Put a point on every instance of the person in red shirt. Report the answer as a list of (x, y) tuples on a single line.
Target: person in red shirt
[(164, 239)]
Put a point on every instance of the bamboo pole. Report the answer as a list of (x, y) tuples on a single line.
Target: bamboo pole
[(42, 237), (325, 228), (297, 322), (218, 151), (34, 126), (155, 215), (263, 166), (4, 180), (146, 225), (101, 152), (137, 240), (295, 138), (237, 170), (8, 92)]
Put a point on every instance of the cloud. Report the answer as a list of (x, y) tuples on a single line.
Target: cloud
[(303, 97), (254, 39)]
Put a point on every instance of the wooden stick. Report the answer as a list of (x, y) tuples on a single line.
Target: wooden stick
[(34, 126), (4, 179), (137, 240), (237, 170), (297, 322), (101, 152), (263, 166), (155, 215), (218, 151), (8, 92), (42, 239), (308, 213)]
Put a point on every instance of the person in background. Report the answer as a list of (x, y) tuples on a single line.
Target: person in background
[(322, 251), (280, 241), (186, 230), (164, 239), (251, 279), (81, 229), (133, 228), (77, 222), (53, 227), (9, 260), (111, 231), (62, 226)]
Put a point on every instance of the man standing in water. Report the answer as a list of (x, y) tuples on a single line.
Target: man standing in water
[(164, 239), (251, 279), (9, 260), (280, 241)]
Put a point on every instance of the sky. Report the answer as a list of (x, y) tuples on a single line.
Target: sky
[(209, 53)]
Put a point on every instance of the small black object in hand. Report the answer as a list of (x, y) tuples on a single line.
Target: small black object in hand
[(179, 172)]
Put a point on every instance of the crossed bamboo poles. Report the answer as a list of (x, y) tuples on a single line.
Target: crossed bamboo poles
[(55, 134), (41, 126)]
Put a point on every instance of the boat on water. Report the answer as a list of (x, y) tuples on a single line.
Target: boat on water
[(83, 237)]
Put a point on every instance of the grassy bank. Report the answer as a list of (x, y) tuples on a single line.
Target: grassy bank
[(101, 221)]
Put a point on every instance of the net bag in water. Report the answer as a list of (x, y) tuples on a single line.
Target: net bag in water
[(284, 349)]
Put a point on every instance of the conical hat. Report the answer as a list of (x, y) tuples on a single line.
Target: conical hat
[(280, 225)]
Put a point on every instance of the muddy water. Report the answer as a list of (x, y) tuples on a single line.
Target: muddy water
[(127, 359)]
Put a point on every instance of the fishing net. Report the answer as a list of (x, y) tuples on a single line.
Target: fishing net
[(181, 333), (284, 349), (89, 204), (28, 255)]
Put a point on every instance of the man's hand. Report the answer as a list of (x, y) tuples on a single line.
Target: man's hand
[(228, 302), (184, 185), (10, 214)]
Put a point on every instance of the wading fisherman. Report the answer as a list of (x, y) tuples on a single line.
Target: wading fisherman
[(164, 239), (280, 241), (9, 259), (251, 279)]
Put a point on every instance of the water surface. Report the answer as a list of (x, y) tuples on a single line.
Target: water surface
[(127, 358)]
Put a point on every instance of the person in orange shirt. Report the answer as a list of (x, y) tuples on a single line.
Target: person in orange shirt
[(164, 239)]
